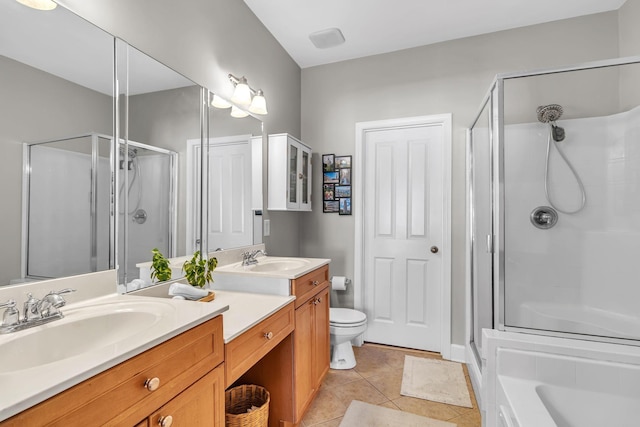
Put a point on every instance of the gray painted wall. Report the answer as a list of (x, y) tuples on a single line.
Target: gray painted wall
[(450, 77)]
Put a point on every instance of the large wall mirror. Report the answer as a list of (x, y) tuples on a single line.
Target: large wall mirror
[(159, 110), (234, 181), (56, 80), (163, 118), (57, 84)]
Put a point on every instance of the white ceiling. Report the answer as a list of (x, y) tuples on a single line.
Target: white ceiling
[(372, 27)]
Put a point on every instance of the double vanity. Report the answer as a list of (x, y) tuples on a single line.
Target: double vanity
[(143, 359)]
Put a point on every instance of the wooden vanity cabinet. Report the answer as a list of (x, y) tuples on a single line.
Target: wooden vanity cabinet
[(189, 371), (194, 406), (311, 339), (293, 371)]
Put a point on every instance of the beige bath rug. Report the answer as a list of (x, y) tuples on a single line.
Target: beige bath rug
[(361, 414), (437, 380)]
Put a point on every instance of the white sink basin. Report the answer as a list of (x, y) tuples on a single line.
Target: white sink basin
[(82, 329), (277, 264), (268, 265)]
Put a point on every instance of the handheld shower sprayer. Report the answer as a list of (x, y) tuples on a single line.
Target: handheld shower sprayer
[(549, 114)]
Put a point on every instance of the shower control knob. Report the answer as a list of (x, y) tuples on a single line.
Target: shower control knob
[(434, 249)]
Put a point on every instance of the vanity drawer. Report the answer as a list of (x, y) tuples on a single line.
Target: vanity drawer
[(310, 284), (118, 396), (249, 347)]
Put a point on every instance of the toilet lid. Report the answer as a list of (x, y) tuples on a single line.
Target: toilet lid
[(346, 316)]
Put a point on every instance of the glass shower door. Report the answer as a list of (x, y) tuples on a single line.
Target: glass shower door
[(480, 199)]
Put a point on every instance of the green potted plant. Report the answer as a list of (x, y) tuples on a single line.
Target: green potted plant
[(198, 271), (160, 269)]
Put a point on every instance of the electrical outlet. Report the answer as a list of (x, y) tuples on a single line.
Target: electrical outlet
[(266, 227)]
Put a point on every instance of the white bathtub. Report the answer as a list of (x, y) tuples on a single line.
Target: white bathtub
[(540, 381), (579, 319), (536, 404)]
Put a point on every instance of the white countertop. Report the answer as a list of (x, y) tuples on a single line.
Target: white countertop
[(23, 388), (247, 310)]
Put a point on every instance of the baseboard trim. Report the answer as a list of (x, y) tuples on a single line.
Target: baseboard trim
[(458, 353)]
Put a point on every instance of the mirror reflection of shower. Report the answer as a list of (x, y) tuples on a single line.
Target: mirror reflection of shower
[(133, 167), (147, 181), (550, 114)]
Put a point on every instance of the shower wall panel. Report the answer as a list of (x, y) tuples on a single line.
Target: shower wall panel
[(582, 269)]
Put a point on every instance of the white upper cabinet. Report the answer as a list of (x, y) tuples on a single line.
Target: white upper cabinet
[(289, 174)]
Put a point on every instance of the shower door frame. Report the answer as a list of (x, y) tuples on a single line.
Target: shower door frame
[(173, 201), (472, 351), (26, 197), (499, 199)]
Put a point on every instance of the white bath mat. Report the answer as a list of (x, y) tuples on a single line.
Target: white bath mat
[(360, 414), (437, 380)]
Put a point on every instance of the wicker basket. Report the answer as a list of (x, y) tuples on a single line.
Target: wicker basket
[(241, 398)]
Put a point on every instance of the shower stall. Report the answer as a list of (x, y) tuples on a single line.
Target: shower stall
[(553, 196), (147, 192), (68, 205)]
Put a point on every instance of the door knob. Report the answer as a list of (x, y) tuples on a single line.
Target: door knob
[(434, 249)]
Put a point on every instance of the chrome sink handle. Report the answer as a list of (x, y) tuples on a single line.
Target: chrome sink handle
[(249, 258), (11, 315), (51, 302)]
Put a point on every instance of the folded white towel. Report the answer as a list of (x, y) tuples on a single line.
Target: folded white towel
[(136, 284), (187, 291)]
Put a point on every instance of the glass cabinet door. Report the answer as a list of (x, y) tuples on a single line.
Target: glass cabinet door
[(293, 174), (304, 197)]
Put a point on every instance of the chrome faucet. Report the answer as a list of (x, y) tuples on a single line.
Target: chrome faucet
[(249, 257), (36, 312)]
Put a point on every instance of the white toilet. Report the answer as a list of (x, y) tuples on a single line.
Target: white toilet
[(345, 324)]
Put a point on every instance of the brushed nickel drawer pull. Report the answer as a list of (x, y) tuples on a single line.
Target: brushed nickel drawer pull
[(165, 421), (268, 335), (315, 283), (152, 384)]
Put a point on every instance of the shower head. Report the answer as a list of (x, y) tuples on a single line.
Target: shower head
[(132, 153), (549, 113)]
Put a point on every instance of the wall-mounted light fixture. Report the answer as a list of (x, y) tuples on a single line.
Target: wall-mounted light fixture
[(39, 4), (244, 97)]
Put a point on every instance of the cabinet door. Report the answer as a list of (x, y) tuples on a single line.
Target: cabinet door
[(305, 179), (202, 404), (293, 165), (303, 357), (321, 343)]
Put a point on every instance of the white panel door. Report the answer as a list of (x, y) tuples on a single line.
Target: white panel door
[(230, 216), (403, 229)]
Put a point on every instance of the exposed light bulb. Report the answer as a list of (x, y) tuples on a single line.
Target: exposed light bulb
[(39, 4)]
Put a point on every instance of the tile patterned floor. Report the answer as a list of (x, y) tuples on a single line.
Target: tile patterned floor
[(376, 379)]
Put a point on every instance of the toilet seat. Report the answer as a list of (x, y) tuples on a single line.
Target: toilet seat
[(346, 317)]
